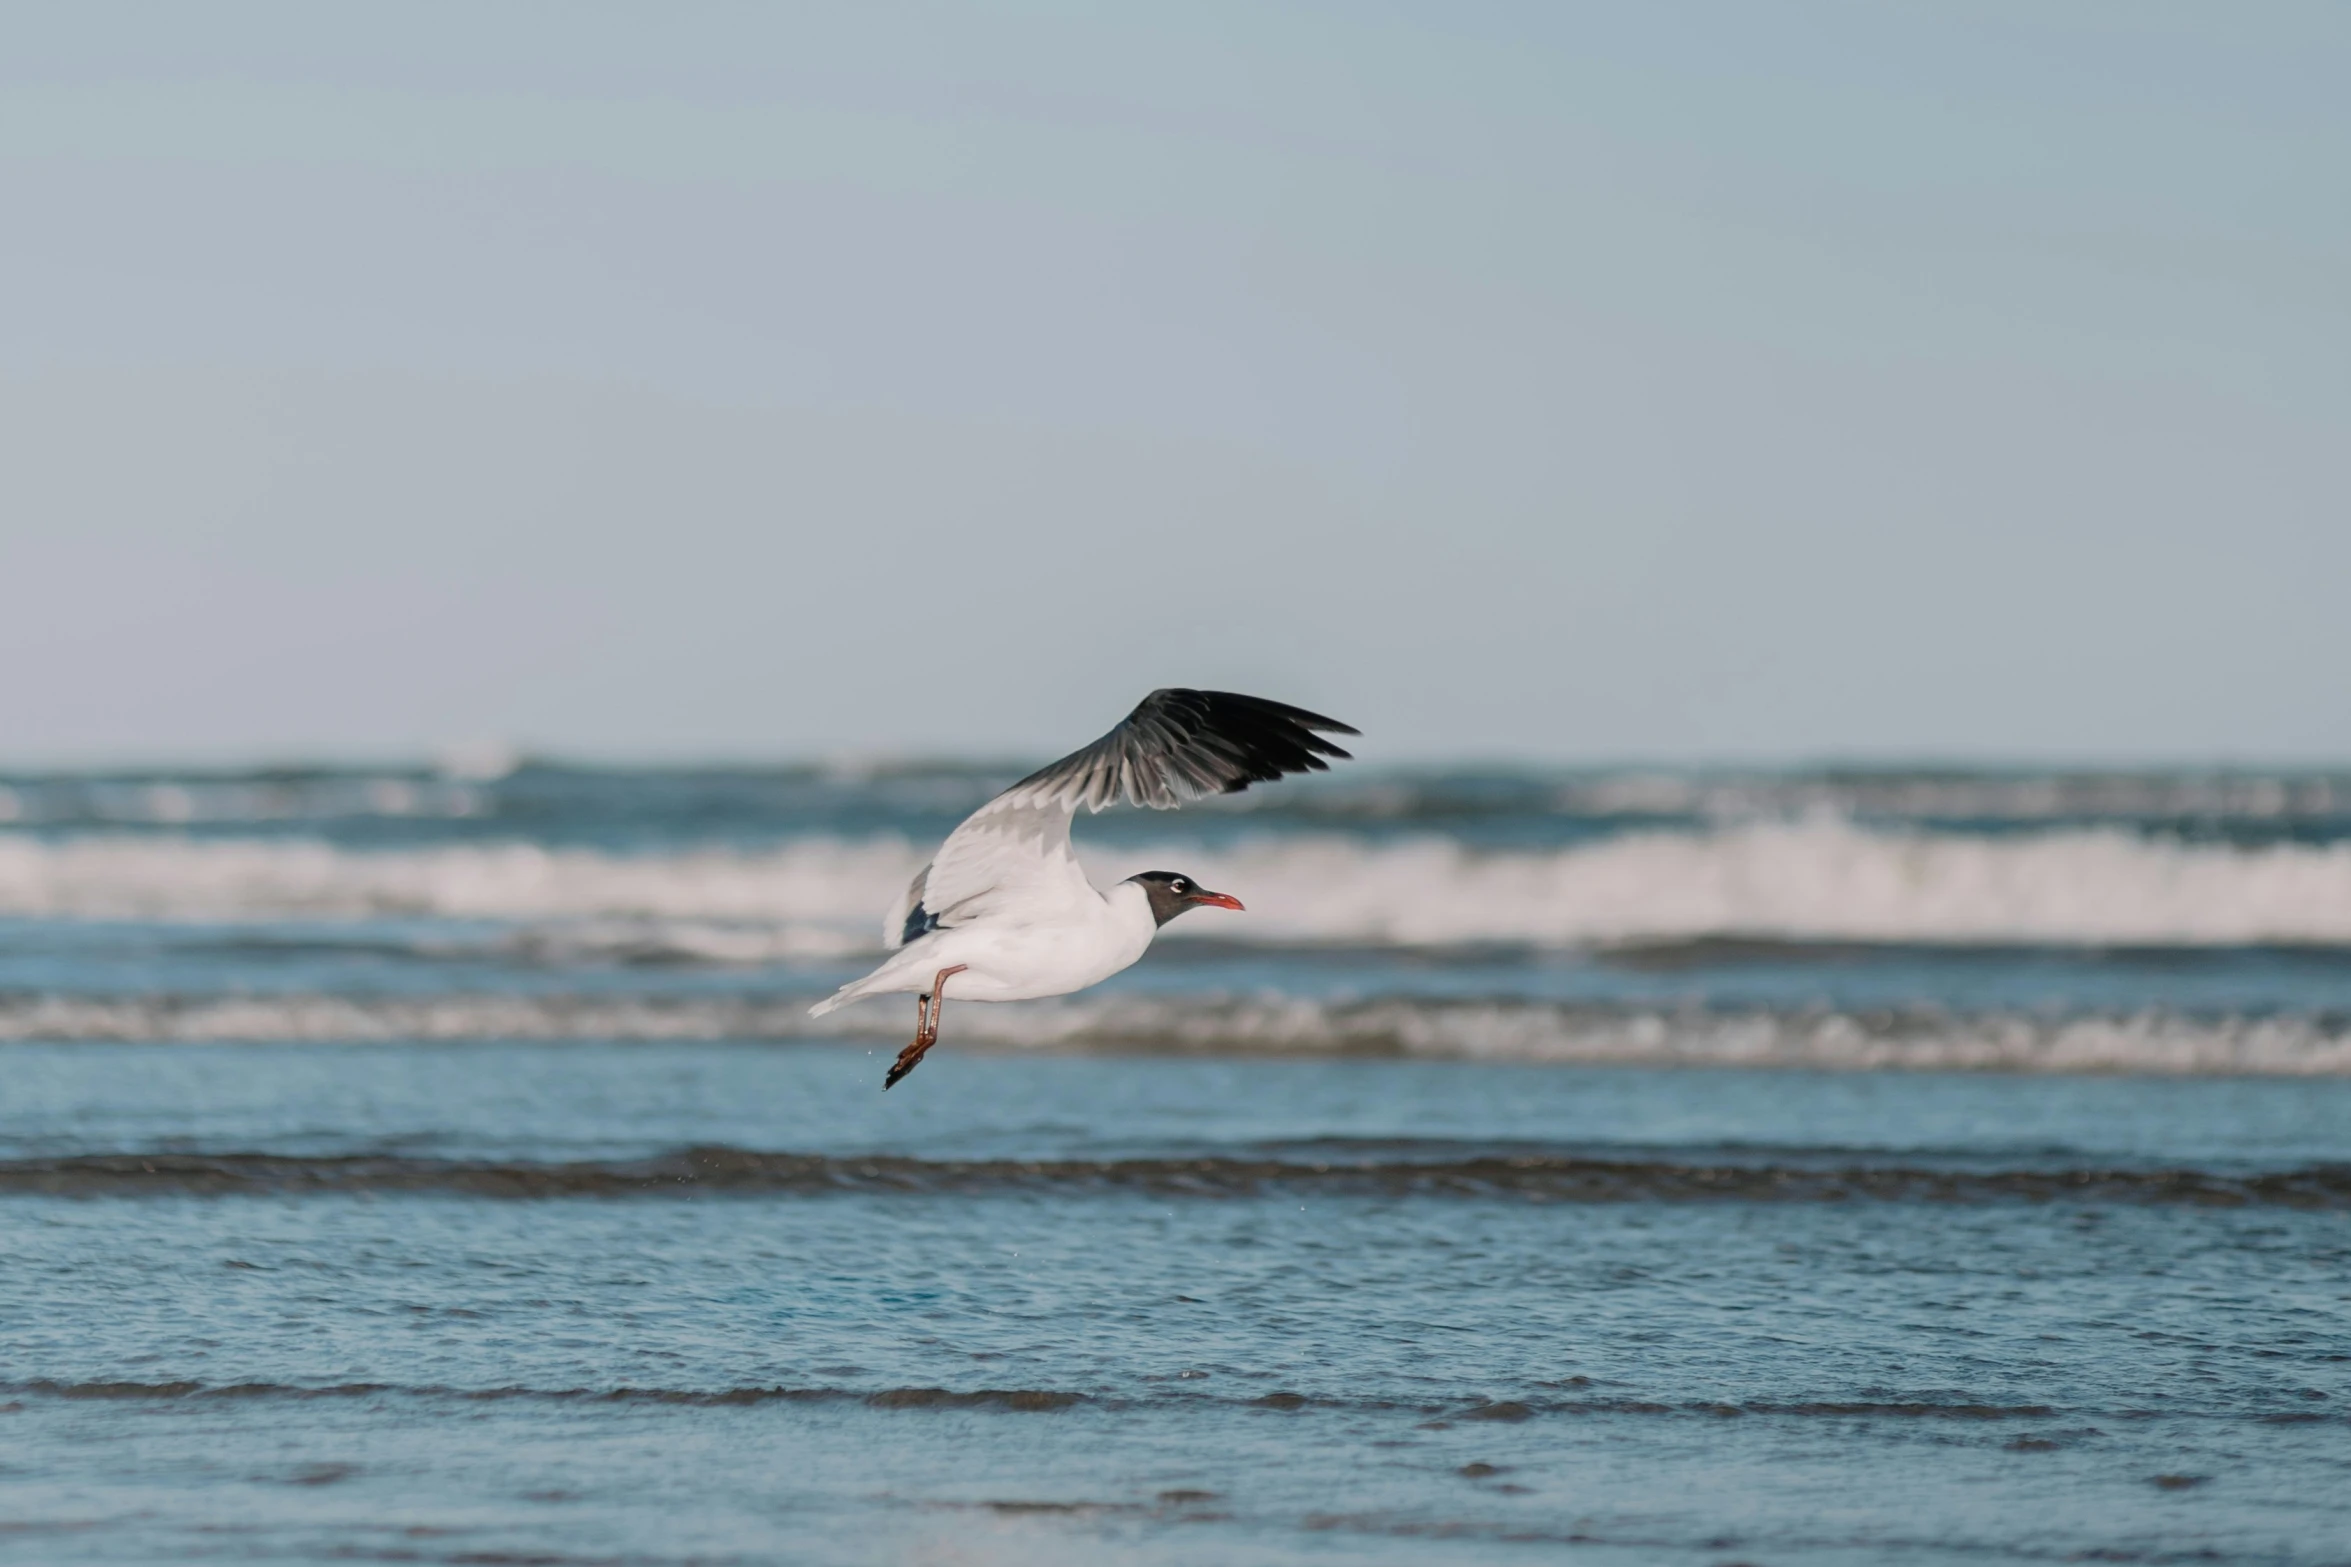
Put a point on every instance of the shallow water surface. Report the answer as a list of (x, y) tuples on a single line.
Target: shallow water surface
[(336, 1303)]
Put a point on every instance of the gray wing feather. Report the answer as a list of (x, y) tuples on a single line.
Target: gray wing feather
[(1180, 745), (908, 918), (1176, 745)]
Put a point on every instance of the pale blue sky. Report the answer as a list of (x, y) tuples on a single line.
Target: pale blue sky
[(1664, 380)]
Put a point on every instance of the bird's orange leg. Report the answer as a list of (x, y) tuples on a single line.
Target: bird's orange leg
[(926, 1029)]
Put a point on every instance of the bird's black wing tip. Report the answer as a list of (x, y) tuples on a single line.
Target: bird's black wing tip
[(1261, 707)]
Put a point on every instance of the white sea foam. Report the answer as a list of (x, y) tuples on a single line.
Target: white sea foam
[(1432, 1029), (1824, 879), (1958, 796), (820, 881), (68, 801)]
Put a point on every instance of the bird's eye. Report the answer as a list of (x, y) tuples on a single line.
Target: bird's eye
[(1178, 885)]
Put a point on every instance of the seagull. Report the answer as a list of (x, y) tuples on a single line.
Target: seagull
[(1006, 912)]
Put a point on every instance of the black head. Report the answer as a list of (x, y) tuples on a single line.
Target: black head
[(1171, 893)]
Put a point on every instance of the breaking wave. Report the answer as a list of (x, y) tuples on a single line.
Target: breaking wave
[(493, 783), (812, 881), (1820, 880), (1920, 1039)]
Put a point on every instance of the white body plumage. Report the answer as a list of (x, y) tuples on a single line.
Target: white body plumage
[(1020, 955)]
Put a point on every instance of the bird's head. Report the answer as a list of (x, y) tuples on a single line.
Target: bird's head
[(1171, 893)]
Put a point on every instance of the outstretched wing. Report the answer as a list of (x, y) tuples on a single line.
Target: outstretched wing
[(1176, 745)]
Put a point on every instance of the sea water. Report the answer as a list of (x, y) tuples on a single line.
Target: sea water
[(1626, 1167)]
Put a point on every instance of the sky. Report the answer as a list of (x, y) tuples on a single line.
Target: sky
[(1671, 382)]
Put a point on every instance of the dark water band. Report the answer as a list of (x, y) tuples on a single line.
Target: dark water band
[(735, 1171), (1550, 1399)]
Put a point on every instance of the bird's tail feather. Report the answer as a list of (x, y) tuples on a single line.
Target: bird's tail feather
[(879, 982), (905, 971)]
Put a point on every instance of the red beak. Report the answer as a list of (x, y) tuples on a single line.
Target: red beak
[(1218, 900)]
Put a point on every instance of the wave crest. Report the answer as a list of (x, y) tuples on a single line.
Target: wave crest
[(1821, 880), (1533, 1031)]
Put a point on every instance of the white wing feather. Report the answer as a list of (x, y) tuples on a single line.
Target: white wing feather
[(1012, 856)]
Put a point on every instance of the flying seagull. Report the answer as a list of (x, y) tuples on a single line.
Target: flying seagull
[(1004, 909)]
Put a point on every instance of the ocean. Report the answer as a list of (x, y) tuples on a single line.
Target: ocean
[(1831, 1166)]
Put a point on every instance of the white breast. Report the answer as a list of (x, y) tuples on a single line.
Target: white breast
[(1080, 943)]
